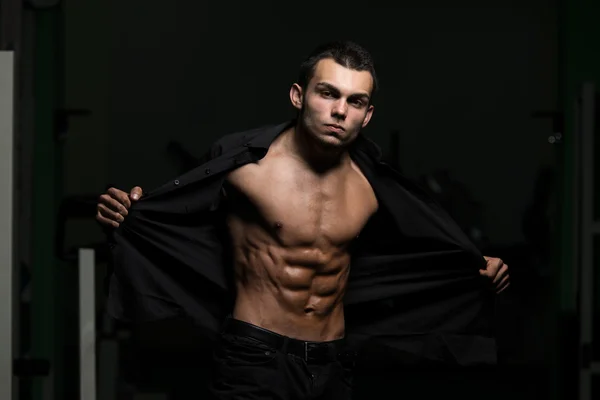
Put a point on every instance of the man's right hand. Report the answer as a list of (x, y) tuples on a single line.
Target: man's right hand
[(113, 205)]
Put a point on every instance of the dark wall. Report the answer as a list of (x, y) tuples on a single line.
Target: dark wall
[(459, 83)]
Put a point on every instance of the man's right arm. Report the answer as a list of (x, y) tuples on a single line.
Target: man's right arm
[(113, 205)]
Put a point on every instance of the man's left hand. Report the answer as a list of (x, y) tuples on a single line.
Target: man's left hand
[(497, 272)]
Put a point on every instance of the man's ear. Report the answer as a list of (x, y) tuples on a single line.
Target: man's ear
[(368, 116), (296, 96)]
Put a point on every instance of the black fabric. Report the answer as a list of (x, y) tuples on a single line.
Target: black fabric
[(414, 290), (246, 368)]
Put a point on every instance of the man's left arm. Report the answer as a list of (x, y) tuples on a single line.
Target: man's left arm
[(497, 272)]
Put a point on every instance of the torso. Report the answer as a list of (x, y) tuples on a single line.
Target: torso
[(291, 231)]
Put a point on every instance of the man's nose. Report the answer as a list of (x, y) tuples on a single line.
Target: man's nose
[(340, 109)]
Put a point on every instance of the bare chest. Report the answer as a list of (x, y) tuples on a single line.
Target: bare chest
[(298, 208)]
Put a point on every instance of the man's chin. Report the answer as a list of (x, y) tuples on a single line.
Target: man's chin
[(331, 141)]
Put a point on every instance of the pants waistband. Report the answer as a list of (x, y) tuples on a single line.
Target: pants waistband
[(309, 351)]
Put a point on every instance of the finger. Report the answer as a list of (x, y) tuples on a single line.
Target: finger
[(485, 272), (488, 273), (106, 221), (113, 204), (136, 193), (501, 274), (493, 265), (503, 282), (503, 288), (120, 195), (110, 214)]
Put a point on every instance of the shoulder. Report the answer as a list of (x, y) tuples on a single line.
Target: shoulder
[(243, 138), (228, 142), (261, 137)]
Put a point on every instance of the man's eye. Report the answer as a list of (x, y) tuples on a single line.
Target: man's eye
[(357, 103), (326, 93)]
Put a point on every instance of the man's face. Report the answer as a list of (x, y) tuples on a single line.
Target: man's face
[(334, 106)]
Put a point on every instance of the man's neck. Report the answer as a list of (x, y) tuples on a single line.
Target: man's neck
[(317, 156)]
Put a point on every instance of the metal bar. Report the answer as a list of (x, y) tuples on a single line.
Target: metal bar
[(108, 369), (11, 15), (587, 211), (47, 299), (585, 385), (87, 325), (6, 224), (586, 278), (10, 24), (575, 250)]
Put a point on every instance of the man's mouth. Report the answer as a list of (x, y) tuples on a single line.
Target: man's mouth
[(336, 127)]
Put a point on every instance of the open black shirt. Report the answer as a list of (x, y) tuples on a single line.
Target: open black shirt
[(414, 292)]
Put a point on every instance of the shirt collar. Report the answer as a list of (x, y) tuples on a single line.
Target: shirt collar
[(266, 136)]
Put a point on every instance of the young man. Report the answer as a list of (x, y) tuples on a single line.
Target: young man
[(266, 230)]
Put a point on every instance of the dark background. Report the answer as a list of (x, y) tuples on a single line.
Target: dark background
[(472, 95)]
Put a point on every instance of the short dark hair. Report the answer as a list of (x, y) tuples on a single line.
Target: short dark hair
[(346, 53)]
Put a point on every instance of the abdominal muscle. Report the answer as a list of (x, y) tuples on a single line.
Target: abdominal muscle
[(294, 290)]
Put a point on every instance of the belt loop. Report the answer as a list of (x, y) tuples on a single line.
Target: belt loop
[(284, 348), (306, 351)]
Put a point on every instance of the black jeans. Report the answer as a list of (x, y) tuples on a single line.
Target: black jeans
[(254, 363)]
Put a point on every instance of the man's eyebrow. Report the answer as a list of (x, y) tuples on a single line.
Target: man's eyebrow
[(363, 96), (329, 86)]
